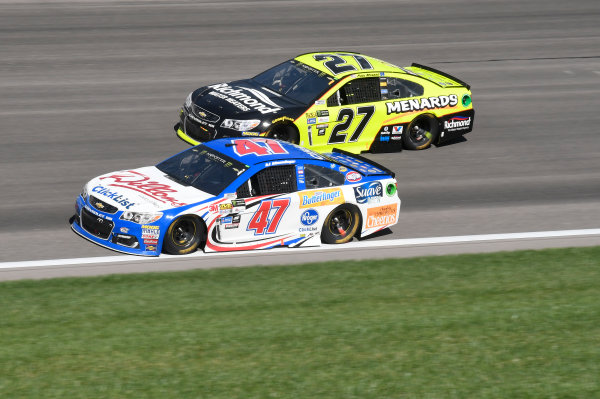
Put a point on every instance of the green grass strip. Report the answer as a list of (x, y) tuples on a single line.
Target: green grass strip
[(505, 325)]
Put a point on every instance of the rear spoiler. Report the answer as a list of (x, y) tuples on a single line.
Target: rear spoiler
[(367, 161), (444, 74)]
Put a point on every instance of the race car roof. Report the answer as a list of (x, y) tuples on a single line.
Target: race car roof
[(255, 150), (353, 62)]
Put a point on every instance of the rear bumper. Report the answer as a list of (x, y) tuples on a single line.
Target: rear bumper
[(455, 125)]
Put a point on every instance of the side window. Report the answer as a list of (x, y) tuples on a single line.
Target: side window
[(320, 176), (273, 180), (400, 88), (357, 91)]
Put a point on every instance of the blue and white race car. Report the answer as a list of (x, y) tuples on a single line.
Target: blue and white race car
[(237, 194)]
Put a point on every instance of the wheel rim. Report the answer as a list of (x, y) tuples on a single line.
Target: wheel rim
[(183, 233), (419, 134), (340, 223)]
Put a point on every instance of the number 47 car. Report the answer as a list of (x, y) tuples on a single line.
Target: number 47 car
[(329, 100), (237, 194)]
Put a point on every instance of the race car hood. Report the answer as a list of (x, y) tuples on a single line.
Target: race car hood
[(242, 97), (143, 190)]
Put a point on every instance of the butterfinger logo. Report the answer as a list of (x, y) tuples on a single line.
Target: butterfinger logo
[(381, 215), (326, 196)]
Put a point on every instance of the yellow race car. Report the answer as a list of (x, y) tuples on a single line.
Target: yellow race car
[(336, 99)]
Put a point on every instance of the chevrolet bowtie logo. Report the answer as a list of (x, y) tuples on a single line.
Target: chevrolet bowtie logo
[(202, 114), (99, 205)]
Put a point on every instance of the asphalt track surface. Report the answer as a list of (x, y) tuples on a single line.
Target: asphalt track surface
[(90, 87)]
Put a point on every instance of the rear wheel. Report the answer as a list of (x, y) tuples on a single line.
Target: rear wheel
[(421, 132), (183, 235), (341, 225), (284, 132)]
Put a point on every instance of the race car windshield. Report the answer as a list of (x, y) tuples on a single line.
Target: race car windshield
[(202, 168), (296, 80)]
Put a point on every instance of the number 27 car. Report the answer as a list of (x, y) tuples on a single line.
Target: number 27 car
[(329, 100), (237, 194)]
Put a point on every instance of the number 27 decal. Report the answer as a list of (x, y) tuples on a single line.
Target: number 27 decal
[(345, 117), (261, 223)]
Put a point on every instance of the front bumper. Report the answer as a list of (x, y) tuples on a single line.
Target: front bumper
[(108, 231), (191, 131)]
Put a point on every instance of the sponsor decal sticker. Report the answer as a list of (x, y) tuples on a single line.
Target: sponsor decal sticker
[(141, 183), (457, 123), (150, 232), (368, 191), (311, 121), (309, 217), (322, 197), (397, 129), (283, 118), (381, 216), (353, 177), (238, 202), (424, 103), (240, 98), (113, 195)]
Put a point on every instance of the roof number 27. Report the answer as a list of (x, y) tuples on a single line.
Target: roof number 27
[(337, 64)]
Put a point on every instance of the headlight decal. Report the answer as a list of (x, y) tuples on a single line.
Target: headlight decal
[(240, 125), (141, 217)]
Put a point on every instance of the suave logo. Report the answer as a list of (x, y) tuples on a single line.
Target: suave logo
[(309, 217), (368, 190)]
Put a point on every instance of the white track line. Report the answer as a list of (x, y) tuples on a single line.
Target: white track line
[(359, 244)]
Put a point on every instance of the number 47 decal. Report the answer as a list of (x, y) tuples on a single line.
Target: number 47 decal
[(260, 221)]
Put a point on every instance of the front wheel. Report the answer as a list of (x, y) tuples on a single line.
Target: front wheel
[(183, 235), (341, 225), (284, 132), (420, 133)]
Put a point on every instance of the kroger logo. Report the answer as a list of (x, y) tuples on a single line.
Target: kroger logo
[(368, 190), (309, 217)]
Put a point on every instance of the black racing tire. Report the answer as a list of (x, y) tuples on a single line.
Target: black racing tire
[(184, 235), (421, 132), (341, 225), (284, 132)]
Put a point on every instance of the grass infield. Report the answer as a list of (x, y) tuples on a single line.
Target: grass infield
[(505, 325)]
